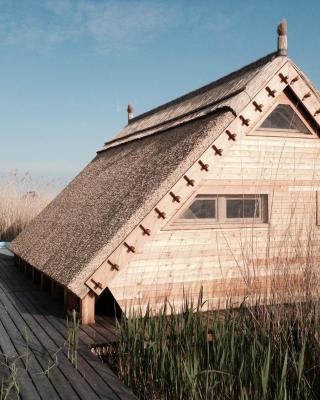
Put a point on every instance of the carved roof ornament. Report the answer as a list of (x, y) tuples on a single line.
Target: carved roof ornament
[(130, 111), (283, 38)]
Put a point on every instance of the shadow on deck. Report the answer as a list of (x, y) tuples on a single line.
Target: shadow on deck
[(34, 353)]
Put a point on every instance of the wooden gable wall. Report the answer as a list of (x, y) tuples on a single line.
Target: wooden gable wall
[(155, 262), (224, 259), (233, 262)]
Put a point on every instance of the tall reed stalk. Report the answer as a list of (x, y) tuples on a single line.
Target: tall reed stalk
[(73, 325), (254, 352), (21, 199)]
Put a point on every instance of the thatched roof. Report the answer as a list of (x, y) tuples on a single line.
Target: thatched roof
[(227, 90), (77, 231)]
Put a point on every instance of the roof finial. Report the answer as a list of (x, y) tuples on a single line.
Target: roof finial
[(130, 110), (282, 38)]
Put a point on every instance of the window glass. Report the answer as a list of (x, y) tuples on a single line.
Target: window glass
[(284, 117), (226, 208), (243, 208), (201, 208)]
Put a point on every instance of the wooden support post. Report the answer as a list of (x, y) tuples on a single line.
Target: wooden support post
[(161, 214), (65, 298), (245, 121), (231, 136), (17, 262), (20, 265), (145, 231), (190, 182), (87, 309), (306, 96), (70, 300), (113, 265), (55, 290), (283, 78), (217, 152), (129, 247), (33, 273), (41, 280), (175, 197), (204, 167), (271, 92), (257, 107)]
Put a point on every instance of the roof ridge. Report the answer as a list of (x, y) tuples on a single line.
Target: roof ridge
[(202, 89), (135, 135), (202, 108)]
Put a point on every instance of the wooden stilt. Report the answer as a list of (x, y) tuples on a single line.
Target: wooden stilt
[(129, 247), (41, 280), (65, 298), (113, 266), (70, 300), (145, 231), (55, 290), (87, 309)]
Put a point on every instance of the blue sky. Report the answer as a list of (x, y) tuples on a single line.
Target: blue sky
[(70, 67)]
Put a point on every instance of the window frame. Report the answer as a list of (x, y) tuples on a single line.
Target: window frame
[(201, 196), (221, 220), (223, 211), (272, 132)]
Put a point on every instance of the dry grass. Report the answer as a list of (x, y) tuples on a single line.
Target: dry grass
[(21, 199)]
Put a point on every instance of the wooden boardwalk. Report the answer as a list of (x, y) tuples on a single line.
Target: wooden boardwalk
[(33, 348)]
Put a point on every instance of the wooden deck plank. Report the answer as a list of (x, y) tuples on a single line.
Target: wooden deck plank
[(27, 388), (93, 363), (73, 375), (63, 376), (27, 306), (32, 365), (90, 386)]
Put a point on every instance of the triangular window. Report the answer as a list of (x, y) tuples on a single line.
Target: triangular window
[(203, 207), (283, 117)]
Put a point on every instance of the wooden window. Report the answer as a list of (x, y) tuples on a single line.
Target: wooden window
[(217, 209), (203, 207), (286, 118), (283, 117), (250, 208)]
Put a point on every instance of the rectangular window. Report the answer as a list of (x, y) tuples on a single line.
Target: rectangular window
[(226, 208)]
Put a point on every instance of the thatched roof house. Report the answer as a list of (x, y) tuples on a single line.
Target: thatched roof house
[(137, 219)]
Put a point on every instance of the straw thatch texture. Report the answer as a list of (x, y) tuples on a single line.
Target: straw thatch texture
[(214, 93), (77, 231)]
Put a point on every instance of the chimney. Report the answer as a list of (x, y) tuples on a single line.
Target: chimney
[(282, 38), (130, 110)]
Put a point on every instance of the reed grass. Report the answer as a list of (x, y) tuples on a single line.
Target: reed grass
[(265, 348), (21, 199), (10, 389), (73, 325), (254, 352)]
